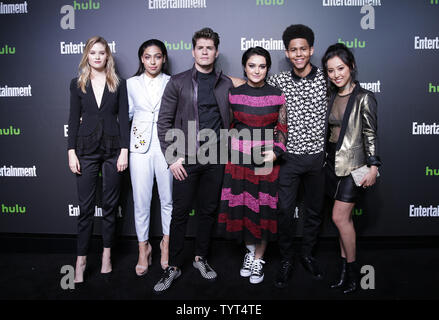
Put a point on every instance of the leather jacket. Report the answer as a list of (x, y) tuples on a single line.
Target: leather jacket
[(357, 143), (179, 110)]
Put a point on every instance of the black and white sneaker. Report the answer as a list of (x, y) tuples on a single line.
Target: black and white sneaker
[(165, 281), (246, 269), (206, 271), (257, 274)]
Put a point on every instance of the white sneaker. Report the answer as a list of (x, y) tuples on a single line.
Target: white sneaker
[(257, 274), (246, 269)]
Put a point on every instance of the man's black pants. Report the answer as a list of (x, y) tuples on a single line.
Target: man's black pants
[(294, 170), (203, 183)]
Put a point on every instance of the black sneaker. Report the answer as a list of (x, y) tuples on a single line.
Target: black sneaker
[(169, 275), (206, 271), (246, 269), (257, 271), (283, 274)]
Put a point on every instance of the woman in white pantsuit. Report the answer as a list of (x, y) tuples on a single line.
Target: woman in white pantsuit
[(145, 91)]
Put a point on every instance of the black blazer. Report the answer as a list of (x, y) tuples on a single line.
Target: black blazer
[(108, 124)]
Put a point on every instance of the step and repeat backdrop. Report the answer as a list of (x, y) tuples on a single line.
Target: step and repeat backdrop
[(396, 44)]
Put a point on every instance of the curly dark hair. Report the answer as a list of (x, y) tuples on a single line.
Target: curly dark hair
[(206, 33), (298, 31)]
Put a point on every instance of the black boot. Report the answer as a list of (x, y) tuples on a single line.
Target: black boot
[(342, 280), (352, 277)]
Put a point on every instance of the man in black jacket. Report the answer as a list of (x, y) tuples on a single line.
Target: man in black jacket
[(194, 100)]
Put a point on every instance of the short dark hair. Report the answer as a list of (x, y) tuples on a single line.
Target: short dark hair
[(298, 31), (256, 51), (346, 55), (206, 33), (147, 44)]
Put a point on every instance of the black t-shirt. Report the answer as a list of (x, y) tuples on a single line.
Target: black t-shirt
[(208, 111)]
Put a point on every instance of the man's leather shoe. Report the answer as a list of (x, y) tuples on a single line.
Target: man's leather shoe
[(283, 274), (310, 264)]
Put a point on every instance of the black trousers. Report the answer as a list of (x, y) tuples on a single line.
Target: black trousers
[(203, 183), (91, 164), (294, 170)]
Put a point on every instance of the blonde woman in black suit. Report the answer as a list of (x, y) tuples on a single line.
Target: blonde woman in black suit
[(98, 141)]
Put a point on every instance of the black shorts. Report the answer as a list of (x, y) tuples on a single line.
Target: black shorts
[(339, 188)]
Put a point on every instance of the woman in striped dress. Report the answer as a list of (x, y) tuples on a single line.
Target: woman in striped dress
[(258, 137)]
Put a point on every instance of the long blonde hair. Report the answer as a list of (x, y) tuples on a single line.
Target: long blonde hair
[(85, 69)]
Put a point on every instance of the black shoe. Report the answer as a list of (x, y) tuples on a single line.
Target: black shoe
[(169, 275), (310, 264), (342, 280), (352, 278), (283, 274), (107, 276)]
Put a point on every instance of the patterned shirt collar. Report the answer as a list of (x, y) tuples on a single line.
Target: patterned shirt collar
[(309, 76)]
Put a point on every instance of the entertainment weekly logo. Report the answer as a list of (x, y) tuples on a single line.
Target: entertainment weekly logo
[(11, 171), (12, 92), (372, 86), (74, 211), (425, 129), (268, 44), (13, 8), (176, 4), (78, 47), (350, 3), (423, 212), (425, 43)]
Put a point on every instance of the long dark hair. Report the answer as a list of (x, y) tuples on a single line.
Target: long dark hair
[(346, 55), (149, 43), (259, 51)]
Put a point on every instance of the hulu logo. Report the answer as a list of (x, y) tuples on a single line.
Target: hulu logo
[(431, 172), (270, 2), (90, 5), (11, 131), (353, 44), (13, 209), (178, 45), (432, 88), (192, 213), (357, 212), (7, 50), (434, 1)]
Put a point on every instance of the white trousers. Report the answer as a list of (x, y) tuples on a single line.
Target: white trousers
[(143, 167)]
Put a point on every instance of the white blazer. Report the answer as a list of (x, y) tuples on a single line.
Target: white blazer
[(143, 110)]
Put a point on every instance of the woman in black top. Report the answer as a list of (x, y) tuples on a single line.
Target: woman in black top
[(98, 141), (352, 143)]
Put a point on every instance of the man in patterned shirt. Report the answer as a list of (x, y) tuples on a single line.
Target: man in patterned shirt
[(304, 88)]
